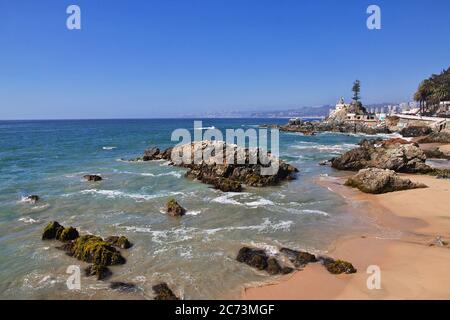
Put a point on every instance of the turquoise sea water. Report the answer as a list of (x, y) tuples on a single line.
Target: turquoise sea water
[(194, 254)]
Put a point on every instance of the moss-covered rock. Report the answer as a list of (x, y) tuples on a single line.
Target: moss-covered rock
[(99, 271), (95, 250), (174, 209), (51, 230), (120, 242), (67, 234), (338, 266), (163, 292)]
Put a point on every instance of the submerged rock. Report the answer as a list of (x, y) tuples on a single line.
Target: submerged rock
[(163, 292), (299, 258), (120, 242), (338, 266), (123, 286), (174, 209), (95, 250), (99, 271), (32, 199), (92, 177), (399, 157), (377, 181)]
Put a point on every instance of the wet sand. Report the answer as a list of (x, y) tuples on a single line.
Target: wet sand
[(403, 247)]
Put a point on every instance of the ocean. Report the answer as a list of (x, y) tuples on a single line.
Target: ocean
[(195, 254)]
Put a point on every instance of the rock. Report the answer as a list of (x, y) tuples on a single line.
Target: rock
[(399, 157), (95, 250), (395, 141), (377, 181), (325, 163), (174, 209), (32, 199), (298, 258), (436, 137), (51, 230), (247, 166), (415, 131), (123, 286), (120, 242), (100, 271), (435, 154), (67, 234), (255, 258), (273, 267), (338, 266), (92, 177), (163, 292)]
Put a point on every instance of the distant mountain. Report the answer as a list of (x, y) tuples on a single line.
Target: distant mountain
[(317, 111)]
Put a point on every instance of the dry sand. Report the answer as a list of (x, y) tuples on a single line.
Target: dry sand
[(412, 267)]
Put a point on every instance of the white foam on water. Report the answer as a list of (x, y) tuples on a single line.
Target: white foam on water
[(205, 128), (108, 148), (28, 220), (319, 212), (260, 202), (228, 199), (193, 212), (120, 194)]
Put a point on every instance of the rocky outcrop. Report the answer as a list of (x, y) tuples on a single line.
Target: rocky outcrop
[(226, 171), (119, 242), (337, 266), (415, 131), (101, 272), (163, 292), (377, 181), (399, 157), (92, 177), (259, 259), (299, 258), (436, 137), (174, 209)]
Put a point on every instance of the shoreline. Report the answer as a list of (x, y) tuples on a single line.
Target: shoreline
[(411, 265)]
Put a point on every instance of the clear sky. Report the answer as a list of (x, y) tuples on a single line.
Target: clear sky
[(161, 58)]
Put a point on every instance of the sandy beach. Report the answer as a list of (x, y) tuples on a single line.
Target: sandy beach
[(412, 265)]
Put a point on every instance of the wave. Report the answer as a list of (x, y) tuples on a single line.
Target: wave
[(328, 148), (28, 220), (320, 212), (120, 194), (193, 212), (228, 199), (109, 148)]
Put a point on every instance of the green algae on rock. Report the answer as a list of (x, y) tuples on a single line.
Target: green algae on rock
[(163, 292), (119, 241), (174, 209), (338, 266), (94, 249)]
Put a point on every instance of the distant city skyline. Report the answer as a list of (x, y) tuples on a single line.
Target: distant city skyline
[(154, 59)]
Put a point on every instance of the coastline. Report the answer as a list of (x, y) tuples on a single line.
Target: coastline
[(412, 266)]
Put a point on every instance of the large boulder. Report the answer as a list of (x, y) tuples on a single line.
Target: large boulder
[(378, 181), (338, 266), (398, 156), (255, 258), (415, 131), (56, 231)]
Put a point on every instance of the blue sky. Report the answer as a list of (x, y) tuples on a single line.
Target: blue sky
[(143, 59)]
